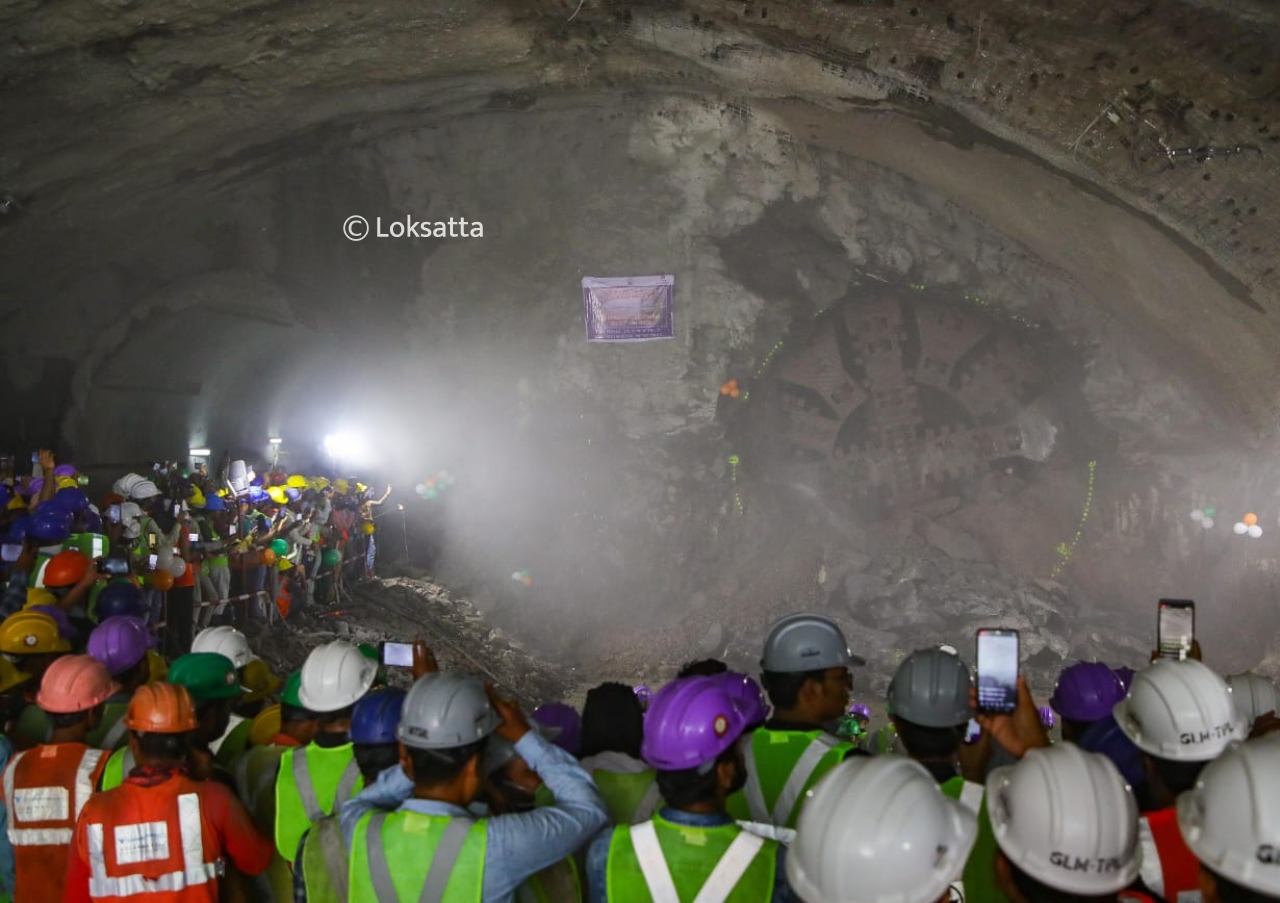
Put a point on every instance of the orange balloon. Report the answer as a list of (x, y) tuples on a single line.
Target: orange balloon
[(1250, 519), (161, 580), (268, 556), (735, 393)]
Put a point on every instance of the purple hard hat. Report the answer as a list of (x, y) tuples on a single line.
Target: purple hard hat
[(1086, 691), (5, 495), (644, 694), (73, 499), (860, 709), (64, 470), (690, 722), (120, 642), (34, 486), (1105, 738), (65, 628), (746, 695), (50, 524), (1125, 673), (1046, 717), (565, 720)]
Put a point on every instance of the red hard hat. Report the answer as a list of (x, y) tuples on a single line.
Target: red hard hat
[(75, 683), (66, 569), (161, 708)]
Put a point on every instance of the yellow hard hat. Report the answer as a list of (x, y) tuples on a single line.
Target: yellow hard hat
[(284, 564), (341, 486), (322, 482), (277, 495), (157, 667), (296, 481), (259, 680), (368, 528), (37, 595), (265, 725), (17, 503), (10, 676), (361, 487), (67, 482), (225, 493), (196, 499), (30, 633)]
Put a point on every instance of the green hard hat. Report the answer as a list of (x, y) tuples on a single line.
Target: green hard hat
[(331, 557), (206, 675), (280, 546), (290, 694)]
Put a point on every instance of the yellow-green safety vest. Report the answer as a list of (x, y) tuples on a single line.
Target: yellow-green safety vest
[(325, 862), (313, 782), (980, 871), (437, 857), (118, 766), (234, 743), (110, 732), (255, 776), (631, 798), (660, 860), (781, 766), (559, 883)]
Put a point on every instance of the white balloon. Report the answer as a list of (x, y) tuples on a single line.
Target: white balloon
[(1241, 528), (1207, 523), (1255, 531), (177, 567), (1197, 515)]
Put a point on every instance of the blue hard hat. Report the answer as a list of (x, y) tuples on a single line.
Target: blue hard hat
[(376, 717), (72, 498), (214, 503), (50, 524), (1106, 738), (120, 599), (18, 529), (292, 494)]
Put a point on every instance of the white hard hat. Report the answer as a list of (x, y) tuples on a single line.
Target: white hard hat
[(145, 489), (335, 676), (1068, 819), (131, 519), (1179, 710), (225, 641), (806, 642), (124, 485), (878, 830), (1254, 695), (446, 710), (1230, 820)]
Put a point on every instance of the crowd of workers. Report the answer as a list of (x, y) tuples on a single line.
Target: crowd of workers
[(203, 776)]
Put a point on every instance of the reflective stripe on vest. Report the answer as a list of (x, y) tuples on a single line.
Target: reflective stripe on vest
[(307, 788), (783, 809), (1169, 868), (144, 838), (719, 884), (115, 736), (324, 862), (47, 804), (310, 774), (443, 859)]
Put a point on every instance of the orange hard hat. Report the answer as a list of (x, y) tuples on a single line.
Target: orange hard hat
[(268, 556), (75, 683), (161, 580), (66, 569), (161, 708)]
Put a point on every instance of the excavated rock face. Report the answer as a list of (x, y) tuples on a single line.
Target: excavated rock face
[(997, 284)]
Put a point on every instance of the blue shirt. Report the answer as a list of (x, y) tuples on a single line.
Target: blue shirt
[(520, 844), (598, 856), (8, 867)]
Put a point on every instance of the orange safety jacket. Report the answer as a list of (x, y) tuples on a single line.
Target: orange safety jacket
[(45, 789), (1169, 868), (162, 841)]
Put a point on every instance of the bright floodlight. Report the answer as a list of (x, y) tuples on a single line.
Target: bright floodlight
[(276, 440), (343, 445), (200, 452)]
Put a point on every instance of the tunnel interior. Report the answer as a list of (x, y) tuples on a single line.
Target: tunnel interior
[(993, 283)]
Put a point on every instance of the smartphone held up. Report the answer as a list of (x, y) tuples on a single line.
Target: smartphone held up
[(1175, 627), (997, 670), (397, 655)]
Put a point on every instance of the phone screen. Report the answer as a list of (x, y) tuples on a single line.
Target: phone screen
[(177, 509), (114, 566), (398, 655), (1176, 627), (997, 670), (113, 513), (193, 537), (972, 732), (10, 552), (152, 561)]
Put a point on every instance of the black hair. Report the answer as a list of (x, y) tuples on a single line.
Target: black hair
[(784, 687), (707, 667), (327, 718), (929, 742), (1178, 777), (61, 720), (290, 713), (1231, 892), (375, 758), (682, 789), (612, 719), (440, 766), (132, 673), (171, 747)]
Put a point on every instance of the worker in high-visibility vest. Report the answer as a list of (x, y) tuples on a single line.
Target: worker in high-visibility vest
[(46, 787), (161, 835), (121, 644)]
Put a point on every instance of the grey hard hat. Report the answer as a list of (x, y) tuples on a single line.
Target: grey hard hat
[(931, 689), (806, 642), (445, 710)]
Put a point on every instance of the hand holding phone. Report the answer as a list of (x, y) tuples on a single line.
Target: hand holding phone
[(997, 670), (397, 655), (116, 567)]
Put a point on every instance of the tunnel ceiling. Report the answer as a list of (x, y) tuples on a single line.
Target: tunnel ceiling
[(114, 110)]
